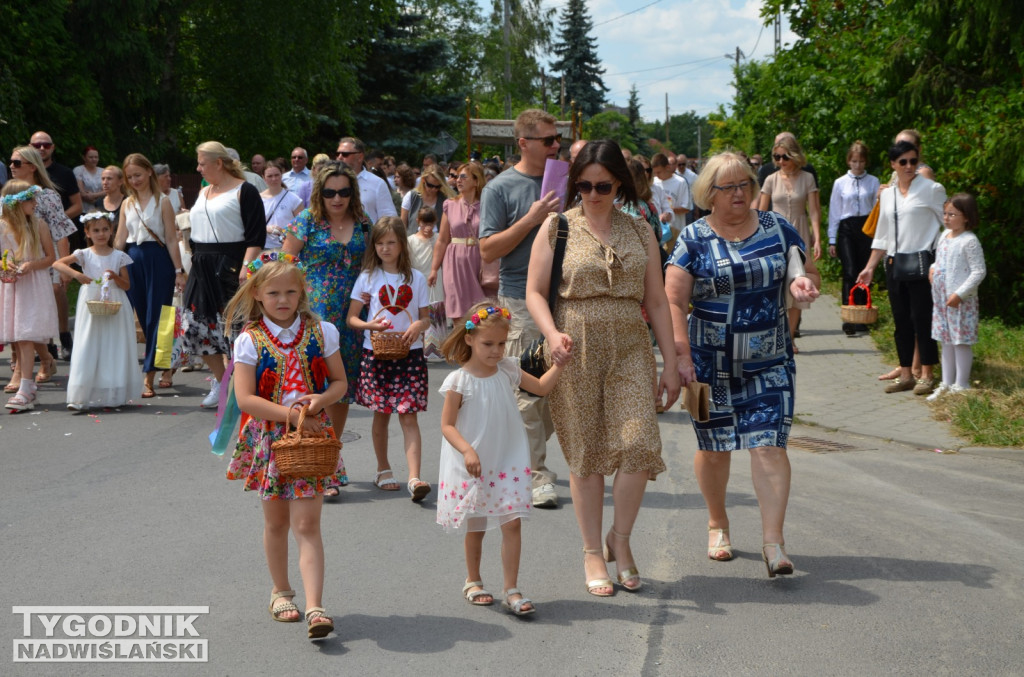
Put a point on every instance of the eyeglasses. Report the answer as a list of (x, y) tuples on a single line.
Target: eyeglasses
[(545, 140), (329, 193), (346, 153), (464, 176), (912, 161), (603, 188), (733, 187), (16, 163), (40, 145), (780, 158), (428, 184)]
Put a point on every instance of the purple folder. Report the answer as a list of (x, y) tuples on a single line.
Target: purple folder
[(556, 178)]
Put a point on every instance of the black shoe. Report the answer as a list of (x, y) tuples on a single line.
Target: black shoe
[(65, 346), (53, 350), (850, 328), (861, 327)]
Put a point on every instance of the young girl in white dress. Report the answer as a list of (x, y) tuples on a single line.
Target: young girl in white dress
[(28, 312), (421, 250), (105, 368), (485, 459), (958, 270)]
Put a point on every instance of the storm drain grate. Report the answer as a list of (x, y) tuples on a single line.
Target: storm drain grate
[(819, 446)]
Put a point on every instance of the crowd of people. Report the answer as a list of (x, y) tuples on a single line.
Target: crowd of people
[(292, 277)]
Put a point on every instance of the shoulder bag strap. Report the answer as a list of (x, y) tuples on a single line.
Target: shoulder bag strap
[(561, 237), (142, 220), (896, 222)]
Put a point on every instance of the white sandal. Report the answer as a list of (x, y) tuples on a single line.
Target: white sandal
[(386, 482), (471, 596), (418, 489), (516, 607)]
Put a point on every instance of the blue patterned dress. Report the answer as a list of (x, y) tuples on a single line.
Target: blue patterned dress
[(739, 338), (331, 272)]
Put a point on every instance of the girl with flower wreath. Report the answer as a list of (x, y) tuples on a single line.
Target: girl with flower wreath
[(285, 355)]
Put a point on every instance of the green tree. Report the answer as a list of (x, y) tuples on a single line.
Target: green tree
[(577, 59), (610, 125), (634, 116), (530, 27)]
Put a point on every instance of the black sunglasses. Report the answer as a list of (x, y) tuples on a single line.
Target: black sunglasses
[(40, 145), (16, 163), (428, 184), (912, 161), (603, 188), (545, 140), (779, 158), (346, 153), (328, 193)]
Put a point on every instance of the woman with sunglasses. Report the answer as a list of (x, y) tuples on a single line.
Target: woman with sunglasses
[(909, 220), (737, 265), (431, 191), (603, 407), (793, 194), (330, 238)]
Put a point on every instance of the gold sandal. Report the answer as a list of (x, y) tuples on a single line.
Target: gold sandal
[(321, 629), (715, 551), (597, 583), (628, 574), (276, 612)]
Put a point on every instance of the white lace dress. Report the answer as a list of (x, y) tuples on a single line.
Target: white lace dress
[(489, 420)]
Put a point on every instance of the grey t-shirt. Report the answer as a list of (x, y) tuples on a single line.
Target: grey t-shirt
[(505, 200)]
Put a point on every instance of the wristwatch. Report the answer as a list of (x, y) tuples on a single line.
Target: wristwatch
[(179, 271)]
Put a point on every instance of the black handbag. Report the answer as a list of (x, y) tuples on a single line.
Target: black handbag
[(908, 266), (532, 359)]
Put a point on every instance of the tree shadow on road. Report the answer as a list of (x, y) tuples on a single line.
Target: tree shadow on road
[(419, 634)]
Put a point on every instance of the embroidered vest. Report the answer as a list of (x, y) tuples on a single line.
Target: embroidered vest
[(271, 361)]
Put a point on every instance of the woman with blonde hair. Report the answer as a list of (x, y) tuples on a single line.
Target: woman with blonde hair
[(457, 250), (431, 191), (229, 229), (146, 225)]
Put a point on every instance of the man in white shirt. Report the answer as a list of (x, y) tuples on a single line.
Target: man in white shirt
[(252, 177), (373, 191), (298, 174), (684, 172), (677, 192)]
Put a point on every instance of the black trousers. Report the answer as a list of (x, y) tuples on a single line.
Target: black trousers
[(853, 248), (912, 313)]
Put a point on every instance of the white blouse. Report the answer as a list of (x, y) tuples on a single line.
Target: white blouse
[(920, 217), (134, 218), (219, 219), (852, 195)]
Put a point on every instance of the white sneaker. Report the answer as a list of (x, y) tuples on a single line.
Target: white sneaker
[(213, 398), (544, 496), (953, 389), (939, 392)]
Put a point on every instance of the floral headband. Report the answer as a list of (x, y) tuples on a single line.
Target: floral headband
[(267, 257), (24, 196), (482, 314), (92, 216)]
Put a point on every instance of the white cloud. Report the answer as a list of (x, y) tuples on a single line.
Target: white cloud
[(697, 33)]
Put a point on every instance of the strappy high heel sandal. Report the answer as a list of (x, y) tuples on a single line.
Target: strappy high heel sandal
[(780, 564), (630, 573), (47, 370), (720, 551), (598, 583)]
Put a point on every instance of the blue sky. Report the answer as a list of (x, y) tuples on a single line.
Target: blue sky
[(680, 47)]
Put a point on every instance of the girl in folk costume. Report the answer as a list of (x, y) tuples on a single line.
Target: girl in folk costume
[(28, 312), (399, 301), (284, 355)]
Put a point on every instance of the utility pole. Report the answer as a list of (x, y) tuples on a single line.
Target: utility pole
[(666, 119), (778, 32), (507, 32), (563, 96)]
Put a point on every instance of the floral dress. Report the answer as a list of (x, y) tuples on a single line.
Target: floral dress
[(958, 269), (331, 271)]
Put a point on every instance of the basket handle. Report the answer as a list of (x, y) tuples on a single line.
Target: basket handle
[(866, 291), (404, 310), (304, 407)]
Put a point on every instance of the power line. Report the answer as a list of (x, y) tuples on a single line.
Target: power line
[(674, 65), (608, 21)]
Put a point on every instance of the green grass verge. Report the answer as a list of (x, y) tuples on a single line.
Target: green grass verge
[(992, 412)]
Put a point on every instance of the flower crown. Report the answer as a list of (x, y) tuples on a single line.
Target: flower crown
[(482, 314), (25, 195), (267, 257), (92, 216)]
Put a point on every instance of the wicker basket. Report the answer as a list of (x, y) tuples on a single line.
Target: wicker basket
[(103, 307), (299, 454), (388, 345), (859, 314), (9, 276)]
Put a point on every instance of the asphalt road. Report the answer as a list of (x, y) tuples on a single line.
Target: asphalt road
[(908, 561)]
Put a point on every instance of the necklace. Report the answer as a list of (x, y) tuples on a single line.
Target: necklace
[(278, 342)]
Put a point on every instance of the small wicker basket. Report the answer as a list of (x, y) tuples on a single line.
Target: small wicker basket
[(9, 275), (388, 345), (103, 307), (298, 454), (859, 314)]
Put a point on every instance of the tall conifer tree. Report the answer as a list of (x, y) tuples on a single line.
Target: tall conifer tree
[(577, 59)]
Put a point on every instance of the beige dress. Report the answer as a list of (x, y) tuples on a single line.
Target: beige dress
[(603, 405), (789, 200)]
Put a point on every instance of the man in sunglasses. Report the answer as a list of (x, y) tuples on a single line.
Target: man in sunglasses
[(71, 200), (373, 190), (298, 174), (769, 168), (511, 212)]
